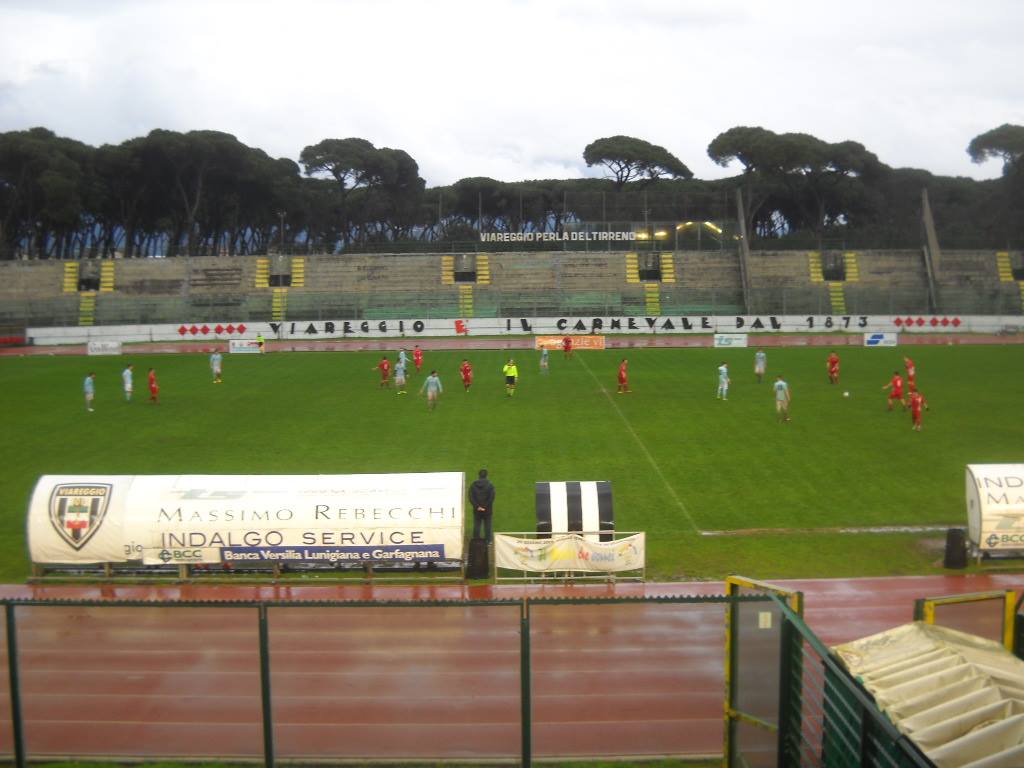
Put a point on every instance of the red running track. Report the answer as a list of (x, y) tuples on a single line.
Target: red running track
[(412, 683)]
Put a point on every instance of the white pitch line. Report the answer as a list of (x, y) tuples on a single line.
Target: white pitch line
[(643, 448)]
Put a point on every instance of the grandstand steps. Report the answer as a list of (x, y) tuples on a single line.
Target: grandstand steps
[(852, 268), (262, 278), (70, 279), (632, 268), (837, 296), (107, 277), (447, 270), (889, 269), (814, 265), (668, 268), (706, 270), (87, 308), (215, 279), (279, 304), (465, 300), (652, 299), (1003, 267), (483, 269), (298, 272)]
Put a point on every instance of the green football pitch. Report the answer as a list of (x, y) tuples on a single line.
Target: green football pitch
[(718, 487)]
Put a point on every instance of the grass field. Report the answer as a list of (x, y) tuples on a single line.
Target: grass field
[(681, 462)]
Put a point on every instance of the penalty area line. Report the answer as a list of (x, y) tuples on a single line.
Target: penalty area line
[(837, 529), (643, 447)]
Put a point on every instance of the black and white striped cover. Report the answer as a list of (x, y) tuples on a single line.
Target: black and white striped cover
[(576, 506)]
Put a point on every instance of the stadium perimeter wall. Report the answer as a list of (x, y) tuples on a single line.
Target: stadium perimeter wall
[(225, 332)]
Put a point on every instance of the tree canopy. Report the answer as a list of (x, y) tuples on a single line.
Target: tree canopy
[(205, 192)]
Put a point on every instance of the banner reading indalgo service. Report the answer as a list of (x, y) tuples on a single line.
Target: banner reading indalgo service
[(192, 519), (995, 506), (569, 552)]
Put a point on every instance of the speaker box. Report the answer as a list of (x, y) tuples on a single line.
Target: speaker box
[(479, 566), (956, 549)]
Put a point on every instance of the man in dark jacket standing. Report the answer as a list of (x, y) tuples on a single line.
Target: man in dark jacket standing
[(481, 497)]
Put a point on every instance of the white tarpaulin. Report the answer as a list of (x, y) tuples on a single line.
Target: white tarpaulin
[(959, 697), (569, 552), (330, 519), (995, 506)]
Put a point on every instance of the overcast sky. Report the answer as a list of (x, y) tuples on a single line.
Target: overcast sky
[(515, 89)]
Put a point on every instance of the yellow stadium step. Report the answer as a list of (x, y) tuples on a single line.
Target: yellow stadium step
[(87, 308), (447, 270), (652, 299), (262, 273), (70, 277), (852, 267), (465, 301), (279, 304), (632, 268), (106, 276), (668, 268), (483, 269), (1002, 264), (298, 272), (838, 297), (814, 263), (1020, 284)]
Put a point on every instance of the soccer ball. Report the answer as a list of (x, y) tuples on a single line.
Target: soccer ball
[(846, 394)]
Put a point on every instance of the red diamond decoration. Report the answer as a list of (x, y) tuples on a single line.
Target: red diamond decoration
[(241, 327), (909, 321), (230, 328), (219, 329), (945, 322), (183, 330), (920, 322), (898, 321), (956, 322), (934, 321), (193, 330), (204, 330)]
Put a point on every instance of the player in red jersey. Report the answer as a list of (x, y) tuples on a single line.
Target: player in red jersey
[(567, 346), (832, 364), (385, 372), (466, 371), (154, 387), (417, 358), (917, 402), (624, 377), (895, 387), (911, 374)]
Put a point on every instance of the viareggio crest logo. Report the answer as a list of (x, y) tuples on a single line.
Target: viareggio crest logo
[(78, 509)]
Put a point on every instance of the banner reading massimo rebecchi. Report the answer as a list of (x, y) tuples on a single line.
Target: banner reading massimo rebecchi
[(331, 519)]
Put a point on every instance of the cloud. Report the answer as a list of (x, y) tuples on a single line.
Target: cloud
[(515, 89)]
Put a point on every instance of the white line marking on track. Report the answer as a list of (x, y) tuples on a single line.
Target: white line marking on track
[(647, 453)]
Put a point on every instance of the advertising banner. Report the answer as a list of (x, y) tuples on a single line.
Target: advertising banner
[(995, 506), (730, 339), (327, 519), (578, 342), (244, 346), (104, 348), (569, 552), (881, 339)]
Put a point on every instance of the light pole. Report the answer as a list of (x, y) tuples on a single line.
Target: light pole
[(281, 215)]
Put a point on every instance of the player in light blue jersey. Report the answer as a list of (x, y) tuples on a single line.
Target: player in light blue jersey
[(403, 359), (760, 365), (432, 385), (400, 373), (126, 379), (544, 360), (781, 399), (89, 387), (217, 365), (723, 381)]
